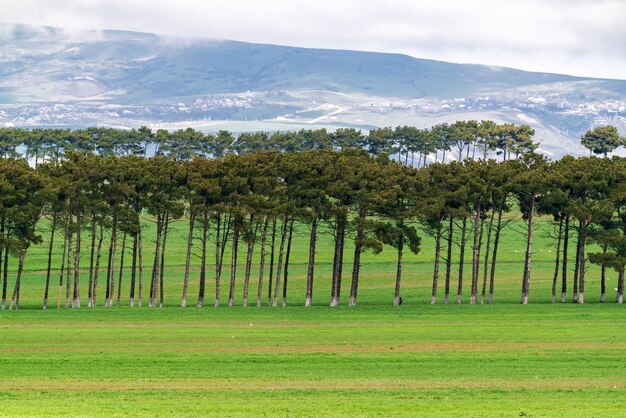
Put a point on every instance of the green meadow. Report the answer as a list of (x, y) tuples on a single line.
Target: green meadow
[(374, 359)]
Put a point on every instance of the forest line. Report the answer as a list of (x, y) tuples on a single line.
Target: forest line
[(250, 199), (467, 139)]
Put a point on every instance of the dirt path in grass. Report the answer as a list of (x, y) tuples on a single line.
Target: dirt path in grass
[(66, 384), (201, 347)]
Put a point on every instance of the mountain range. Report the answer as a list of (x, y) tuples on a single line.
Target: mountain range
[(53, 77)]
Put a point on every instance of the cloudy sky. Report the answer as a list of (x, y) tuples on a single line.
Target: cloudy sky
[(580, 37)]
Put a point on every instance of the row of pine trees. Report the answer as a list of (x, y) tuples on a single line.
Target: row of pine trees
[(94, 205), (465, 139)]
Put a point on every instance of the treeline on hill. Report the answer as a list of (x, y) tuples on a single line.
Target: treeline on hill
[(465, 139), (411, 145), (249, 198)]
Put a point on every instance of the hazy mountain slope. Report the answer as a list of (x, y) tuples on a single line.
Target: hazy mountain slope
[(51, 76)]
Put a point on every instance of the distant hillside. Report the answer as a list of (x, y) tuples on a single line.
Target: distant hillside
[(56, 77)]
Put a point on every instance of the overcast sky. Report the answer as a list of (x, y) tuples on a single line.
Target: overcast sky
[(580, 37)]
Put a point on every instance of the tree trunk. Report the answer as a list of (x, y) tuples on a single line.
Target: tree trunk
[(397, 300), (233, 264), (557, 261), (96, 272), (4, 286), (262, 265), (603, 281), (311, 266), (529, 243), (286, 270), (121, 274), (220, 256), (68, 275), (49, 267), (218, 269), (188, 258), (5, 271), (155, 264), (446, 296), (271, 275), (496, 242), (246, 280), (433, 298), (92, 253), (166, 226), (334, 272), (140, 256), (113, 260), (356, 266), (338, 262), (133, 274), (62, 270), (564, 269), (459, 291), (576, 266), (486, 263), (108, 295), (476, 253), (279, 266), (620, 287), (76, 296), (201, 290), (581, 260), (15, 300)]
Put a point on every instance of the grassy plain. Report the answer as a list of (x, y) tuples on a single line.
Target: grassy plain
[(373, 360)]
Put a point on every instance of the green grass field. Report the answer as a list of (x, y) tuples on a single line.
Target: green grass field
[(372, 360)]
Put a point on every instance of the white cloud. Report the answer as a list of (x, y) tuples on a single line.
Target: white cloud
[(582, 37)]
